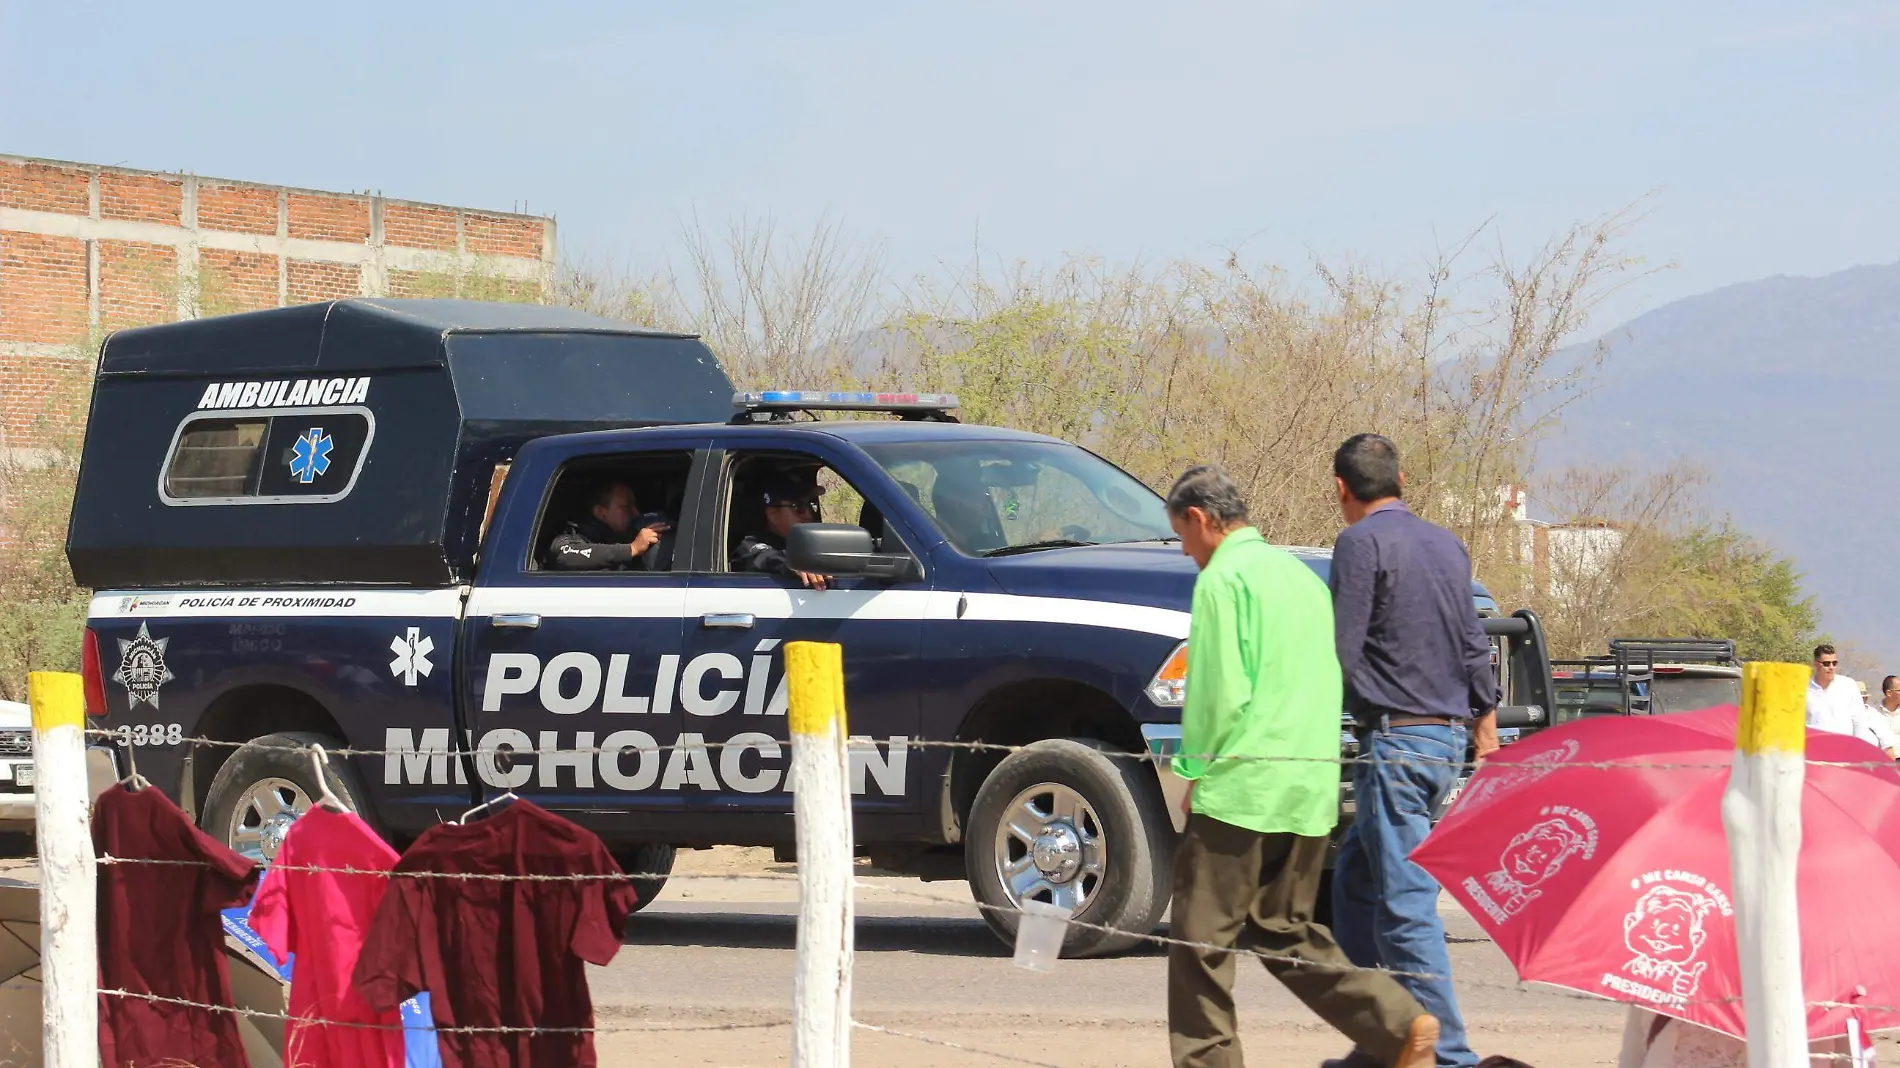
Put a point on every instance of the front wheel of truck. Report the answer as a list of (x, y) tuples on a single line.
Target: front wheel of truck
[(647, 867), (1077, 824), (265, 785)]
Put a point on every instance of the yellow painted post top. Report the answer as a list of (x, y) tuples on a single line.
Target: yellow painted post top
[(1774, 709), (814, 673), (58, 699)]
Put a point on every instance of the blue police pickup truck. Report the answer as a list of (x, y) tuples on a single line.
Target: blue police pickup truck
[(338, 523)]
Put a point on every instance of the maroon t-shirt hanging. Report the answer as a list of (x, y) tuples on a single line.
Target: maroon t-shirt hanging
[(495, 953), (160, 933)]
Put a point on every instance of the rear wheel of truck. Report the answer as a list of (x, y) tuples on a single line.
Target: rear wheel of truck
[(647, 867), (1070, 822), (266, 785)]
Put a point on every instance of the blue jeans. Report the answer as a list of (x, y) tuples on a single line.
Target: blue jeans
[(1385, 908)]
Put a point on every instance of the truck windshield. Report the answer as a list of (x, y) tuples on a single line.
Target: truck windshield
[(995, 497)]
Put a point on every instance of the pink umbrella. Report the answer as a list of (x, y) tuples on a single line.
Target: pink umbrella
[(1594, 855)]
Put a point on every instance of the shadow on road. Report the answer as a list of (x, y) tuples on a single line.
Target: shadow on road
[(931, 936)]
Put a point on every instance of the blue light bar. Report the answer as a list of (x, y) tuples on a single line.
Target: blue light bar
[(845, 401)]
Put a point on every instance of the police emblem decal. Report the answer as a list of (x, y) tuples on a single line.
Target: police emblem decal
[(142, 667), (310, 457)]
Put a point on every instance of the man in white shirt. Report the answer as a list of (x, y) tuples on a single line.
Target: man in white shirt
[(1834, 705), (1888, 707)]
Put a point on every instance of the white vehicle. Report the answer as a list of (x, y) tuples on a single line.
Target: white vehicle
[(16, 768), (17, 773)]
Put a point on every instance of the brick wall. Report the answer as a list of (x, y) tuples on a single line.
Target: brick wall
[(38, 186), (86, 249), (138, 283), (45, 287), (153, 198), (237, 281), (419, 226), (238, 209), (323, 281)]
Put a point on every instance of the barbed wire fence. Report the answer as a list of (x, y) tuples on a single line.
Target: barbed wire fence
[(610, 1027)]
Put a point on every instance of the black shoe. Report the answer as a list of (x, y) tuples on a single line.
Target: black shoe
[(1356, 1059)]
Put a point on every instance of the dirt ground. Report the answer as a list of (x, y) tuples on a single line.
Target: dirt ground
[(712, 958), (705, 981)]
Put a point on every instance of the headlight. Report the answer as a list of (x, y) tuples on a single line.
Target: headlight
[(1169, 688)]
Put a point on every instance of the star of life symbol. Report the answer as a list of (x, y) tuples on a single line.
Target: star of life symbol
[(142, 667), (412, 656), (310, 457)]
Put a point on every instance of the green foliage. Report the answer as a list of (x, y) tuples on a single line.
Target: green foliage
[(42, 614), (1155, 369), (1727, 585), (39, 636), (1031, 363), (468, 280)]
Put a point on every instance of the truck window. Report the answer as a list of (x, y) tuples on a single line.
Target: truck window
[(306, 456), (1688, 691), (745, 513), (656, 484), (991, 496), (216, 458)]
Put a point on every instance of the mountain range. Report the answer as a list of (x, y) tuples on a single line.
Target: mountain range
[(1786, 392)]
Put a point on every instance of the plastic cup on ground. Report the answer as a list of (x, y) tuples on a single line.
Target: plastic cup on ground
[(1039, 935)]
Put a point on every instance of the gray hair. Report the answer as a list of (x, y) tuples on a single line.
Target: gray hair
[(1209, 488)]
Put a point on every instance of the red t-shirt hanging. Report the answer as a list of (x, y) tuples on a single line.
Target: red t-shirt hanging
[(160, 933), (495, 953), (321, 916)]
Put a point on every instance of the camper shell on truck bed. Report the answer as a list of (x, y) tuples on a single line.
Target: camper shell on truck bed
[(192, 474), (297, 533)]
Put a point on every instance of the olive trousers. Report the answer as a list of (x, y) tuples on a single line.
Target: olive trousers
[(1236, 888)]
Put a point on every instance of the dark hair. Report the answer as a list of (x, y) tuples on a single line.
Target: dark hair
[(1887, 682), (1369, 465), (603, 493), (1824, 649), (1209, 488)]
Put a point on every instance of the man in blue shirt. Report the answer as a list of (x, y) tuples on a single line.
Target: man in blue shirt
[(1418, 677)]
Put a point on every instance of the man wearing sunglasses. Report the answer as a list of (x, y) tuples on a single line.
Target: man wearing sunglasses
[(1835, 706), (1888, 705), (789, 502)]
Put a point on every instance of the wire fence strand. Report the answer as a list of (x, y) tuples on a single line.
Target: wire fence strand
[(317, 1021), (1152, 937), (865, 742)]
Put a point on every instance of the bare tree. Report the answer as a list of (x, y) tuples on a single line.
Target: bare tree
[(778, 310)]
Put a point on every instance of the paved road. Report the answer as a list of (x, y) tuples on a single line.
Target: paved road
[(718, 952)]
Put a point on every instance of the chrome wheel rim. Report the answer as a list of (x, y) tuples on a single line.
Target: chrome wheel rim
[(264, 813), (1050, 847)]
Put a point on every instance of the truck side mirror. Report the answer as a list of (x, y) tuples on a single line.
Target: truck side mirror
[(842, 549)]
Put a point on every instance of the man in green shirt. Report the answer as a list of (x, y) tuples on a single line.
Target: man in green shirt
[(1260, 733)]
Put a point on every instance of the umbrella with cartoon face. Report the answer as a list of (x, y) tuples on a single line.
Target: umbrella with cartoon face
[(1595, 857)]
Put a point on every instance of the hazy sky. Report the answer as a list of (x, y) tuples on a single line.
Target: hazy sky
[(1769, 132)]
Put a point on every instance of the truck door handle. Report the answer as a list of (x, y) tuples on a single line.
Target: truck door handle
[(727, 621), (525, 620)]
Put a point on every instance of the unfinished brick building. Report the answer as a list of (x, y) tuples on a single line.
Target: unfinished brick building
[(86, 249)]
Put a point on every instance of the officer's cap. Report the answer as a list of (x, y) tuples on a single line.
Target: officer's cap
[(790, 489)]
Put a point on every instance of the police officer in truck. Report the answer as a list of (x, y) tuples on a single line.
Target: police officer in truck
[(613, 535), (789, 502)]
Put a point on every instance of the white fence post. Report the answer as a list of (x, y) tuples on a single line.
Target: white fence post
[(69, 899), (821, 806), (1761, 812)]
